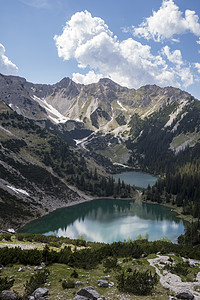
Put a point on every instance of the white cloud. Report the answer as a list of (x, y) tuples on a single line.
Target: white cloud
[(167, 22), (129, 63), (186, 76), (81, 29), (6, 66), (174, 57), (197, 66), (91, 76), (181, 70)]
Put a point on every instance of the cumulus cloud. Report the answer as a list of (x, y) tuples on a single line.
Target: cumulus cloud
[(174, 57), (182, 70), (6, 66), (91, 76), (129, 63), (167, 22)]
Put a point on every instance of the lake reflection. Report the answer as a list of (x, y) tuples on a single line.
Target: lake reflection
[(108, 220)]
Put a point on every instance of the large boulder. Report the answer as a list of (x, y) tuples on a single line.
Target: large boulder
[(40, 293), (185, 295), (103, 283), (89, 293), (8, 295)]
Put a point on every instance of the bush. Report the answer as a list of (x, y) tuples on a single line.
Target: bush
[(180, 268), (68, 284), (74, 274), (138, 283), (110, 263), (5, 284), (36, 280), (6, 236)]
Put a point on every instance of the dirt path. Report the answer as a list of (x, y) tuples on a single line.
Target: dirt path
[(173, 282)]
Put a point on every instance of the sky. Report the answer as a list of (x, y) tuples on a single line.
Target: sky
[(134, 43)]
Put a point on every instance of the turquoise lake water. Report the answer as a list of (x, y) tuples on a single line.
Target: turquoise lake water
[(109, 220), (138, 179)]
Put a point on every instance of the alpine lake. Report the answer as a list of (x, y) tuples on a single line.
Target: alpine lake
[(110, 220)]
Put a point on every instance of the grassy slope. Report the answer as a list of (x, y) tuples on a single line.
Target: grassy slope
[(60, 272)]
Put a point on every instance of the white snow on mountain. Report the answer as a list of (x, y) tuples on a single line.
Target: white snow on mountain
[(52, 112), (17, 191)]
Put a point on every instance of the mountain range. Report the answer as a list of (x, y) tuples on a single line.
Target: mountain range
[(49, 132)]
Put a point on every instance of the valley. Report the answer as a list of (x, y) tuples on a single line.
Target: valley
[(67, 139), (61, 145)]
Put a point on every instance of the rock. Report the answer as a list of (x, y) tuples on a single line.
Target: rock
[(107, 277), (192, 265), (185, 295), (103, 283), (78, 297), (88, 292), (111, 284), (8, 295), (43, 265), (40, 292), (79, 283), (21, 270), (31, 298)]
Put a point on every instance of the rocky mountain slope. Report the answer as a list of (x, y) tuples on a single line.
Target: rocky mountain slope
[(101, 117), (53, 136), (32, 182), (104, 105)]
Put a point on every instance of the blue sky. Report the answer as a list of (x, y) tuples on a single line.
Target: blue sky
[(132, 42)]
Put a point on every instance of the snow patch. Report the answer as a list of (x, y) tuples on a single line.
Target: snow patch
[(11, 230), (17, 191), (84, 140), (121, 165), (55, 115), (78, 120), (119, 103)]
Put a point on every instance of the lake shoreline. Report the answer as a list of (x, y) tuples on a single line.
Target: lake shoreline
[(76, 221)]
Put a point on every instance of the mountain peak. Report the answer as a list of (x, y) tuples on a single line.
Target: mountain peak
[(65, 82), (107, 81)]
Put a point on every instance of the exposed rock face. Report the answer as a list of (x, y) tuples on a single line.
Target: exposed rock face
[(183, 290), (8, 295), (88, 293), (40, 293), (104, 100)]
